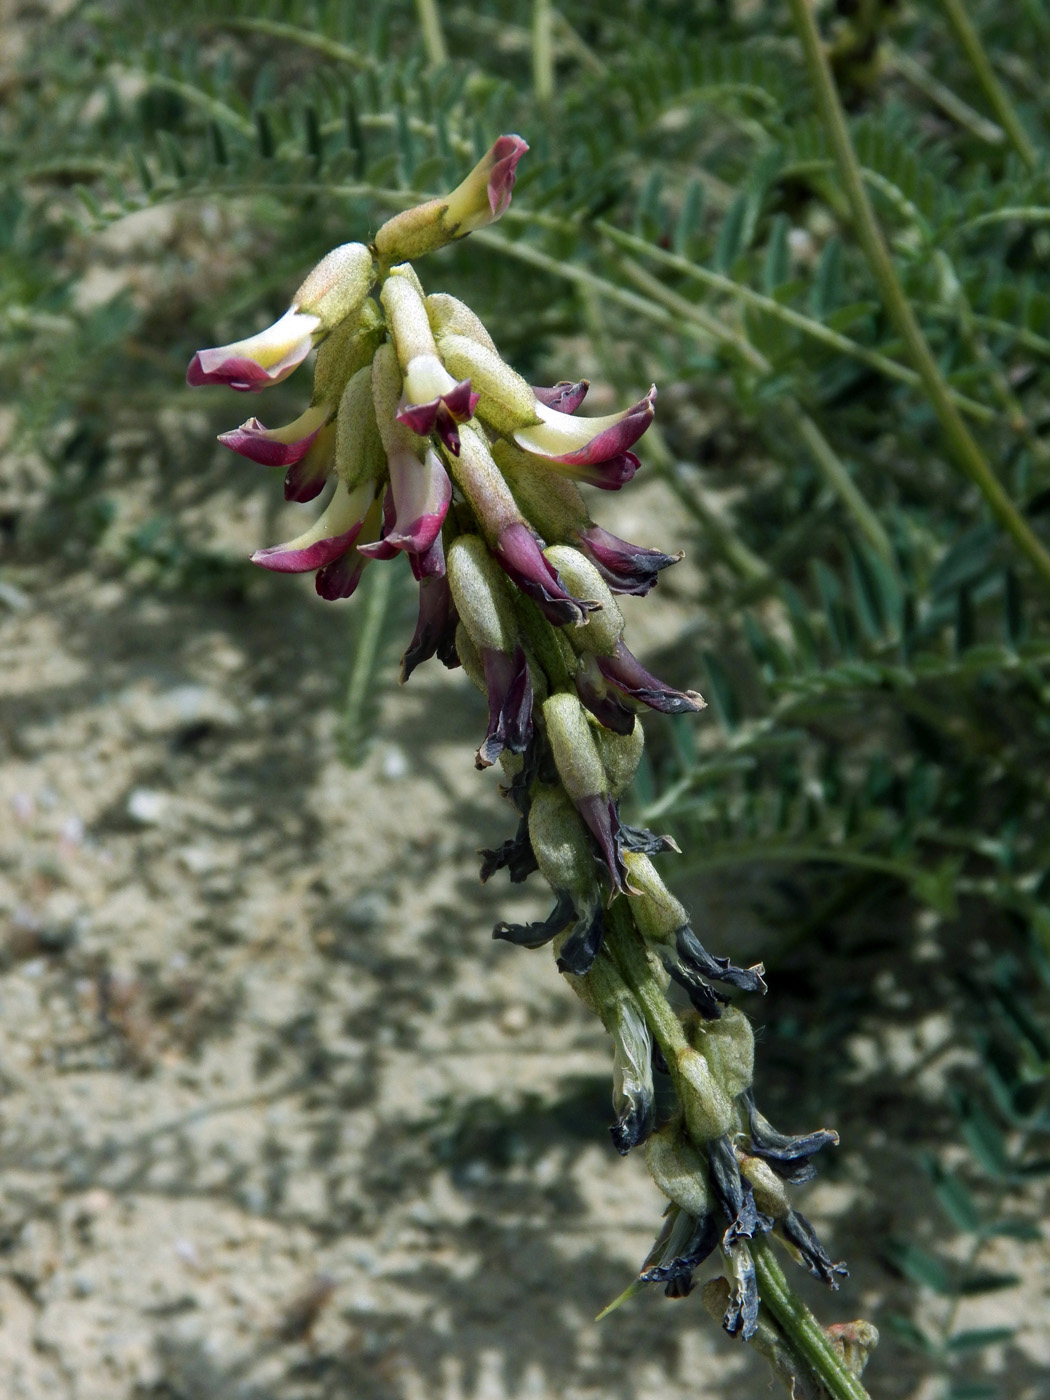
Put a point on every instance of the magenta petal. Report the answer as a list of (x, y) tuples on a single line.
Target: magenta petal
[(304, 481), (506, 152), (378, 549), (519, 553), (626, 568), (435, 632), (624, 671), (421, 494), (252, 440), (617, 438), (460, 401), (340, 578), (234, 371), (283, 560), (607, 476), (420, 417), (429, 564), (606, 705), (603, 819), (565, 396), (509, 689)]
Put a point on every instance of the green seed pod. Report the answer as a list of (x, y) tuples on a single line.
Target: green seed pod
[(657, 913), (708, 1109), (678, 1170), (770, 1192), (359, 454), (450, 316), (560, 842), (605, 626), (728, 1046), (573, 746), (481, 595), (341, 354), (620, 755), (338, 285), (507, 401), (406, 314)]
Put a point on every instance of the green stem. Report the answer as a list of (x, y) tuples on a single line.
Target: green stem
[(821, 451), (817, 330), (797, 1322), (543, 51), (948, 101), (966, 451), (970, 41), (433, 34), (801, 1328), (362, 672)]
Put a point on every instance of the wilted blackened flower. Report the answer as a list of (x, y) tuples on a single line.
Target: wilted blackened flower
[(564, 855), (788, 1156)]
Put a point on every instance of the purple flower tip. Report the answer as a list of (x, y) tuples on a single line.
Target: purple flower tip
[(565, 396), (505, 154), (519, 553), (626, 673), (626, 568), (283, 560)]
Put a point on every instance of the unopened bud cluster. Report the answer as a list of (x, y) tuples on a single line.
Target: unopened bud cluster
[(433, 447)]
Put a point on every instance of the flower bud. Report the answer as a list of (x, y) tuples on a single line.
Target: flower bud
[(340, 355), (479, 200), (707, 1107), (450, 316), (620, 755), (337, 286), (656, 911), (678, 1170), (573, 746), (506, 401), (605, 625), (561, 843), (481, 595), (359, 454), (406, 315)]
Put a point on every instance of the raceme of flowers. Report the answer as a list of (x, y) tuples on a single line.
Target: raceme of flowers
[(433, 447)]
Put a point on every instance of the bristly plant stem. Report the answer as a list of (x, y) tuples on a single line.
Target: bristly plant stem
[(796, 1321), (993, 90), (433, 34), (800, 1326), (966, 451)]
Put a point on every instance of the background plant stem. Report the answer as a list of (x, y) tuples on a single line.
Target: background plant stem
[(964, 448)]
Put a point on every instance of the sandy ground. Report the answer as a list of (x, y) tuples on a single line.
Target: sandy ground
[(279, 1119)]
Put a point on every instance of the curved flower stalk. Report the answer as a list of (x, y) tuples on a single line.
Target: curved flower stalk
[(440, 451)]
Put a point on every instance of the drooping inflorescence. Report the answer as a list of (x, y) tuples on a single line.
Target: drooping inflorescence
[(435, 448)]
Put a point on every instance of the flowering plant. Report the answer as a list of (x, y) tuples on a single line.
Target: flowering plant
[(435, 448)]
